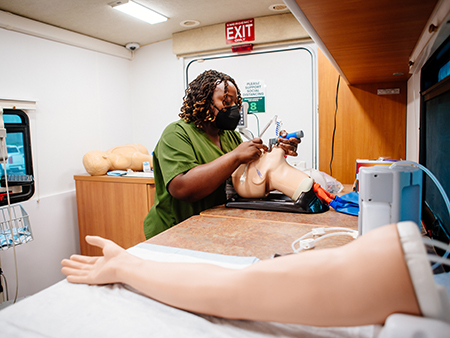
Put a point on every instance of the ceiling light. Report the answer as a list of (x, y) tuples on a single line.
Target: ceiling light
[(138, 11)]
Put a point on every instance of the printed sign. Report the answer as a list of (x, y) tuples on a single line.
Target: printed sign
[(254, 93), (255, 104), (240, 31)]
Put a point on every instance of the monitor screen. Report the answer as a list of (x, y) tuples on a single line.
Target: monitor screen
[(435, 140)]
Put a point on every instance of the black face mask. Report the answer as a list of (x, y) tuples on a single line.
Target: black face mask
[(228, 118)]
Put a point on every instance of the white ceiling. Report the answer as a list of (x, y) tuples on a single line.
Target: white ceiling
[(95, 18)]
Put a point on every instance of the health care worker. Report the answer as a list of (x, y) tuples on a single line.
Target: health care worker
[(198, 153)]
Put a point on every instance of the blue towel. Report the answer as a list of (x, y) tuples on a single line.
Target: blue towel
[(21, 235), (347, 204)]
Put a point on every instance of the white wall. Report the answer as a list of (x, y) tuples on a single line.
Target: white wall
[(83, 103), (413, 118), (157, 91)]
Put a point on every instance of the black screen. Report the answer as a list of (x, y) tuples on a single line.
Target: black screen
[(435, 140)]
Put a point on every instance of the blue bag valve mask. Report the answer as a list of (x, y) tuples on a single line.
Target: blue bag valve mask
[(346, 204)]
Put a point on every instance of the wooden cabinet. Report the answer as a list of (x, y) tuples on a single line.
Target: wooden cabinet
[(113, 208)]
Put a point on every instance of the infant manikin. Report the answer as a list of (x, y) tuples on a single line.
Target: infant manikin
[(272, 172), (129, 156)]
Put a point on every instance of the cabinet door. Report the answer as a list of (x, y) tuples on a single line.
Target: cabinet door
[(112, 210)]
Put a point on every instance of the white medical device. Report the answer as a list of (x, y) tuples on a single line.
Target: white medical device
[(243, 112), (389, 195)]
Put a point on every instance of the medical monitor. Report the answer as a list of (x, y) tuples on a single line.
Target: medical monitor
[(435, 140), (243, 121), (18, 158)]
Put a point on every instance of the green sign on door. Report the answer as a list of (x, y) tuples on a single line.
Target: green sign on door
[(254, 94), (255, 104)]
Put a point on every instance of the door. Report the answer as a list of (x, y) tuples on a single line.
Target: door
[(286, 81)]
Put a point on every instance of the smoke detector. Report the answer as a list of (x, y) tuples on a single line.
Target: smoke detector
[(189, 23)]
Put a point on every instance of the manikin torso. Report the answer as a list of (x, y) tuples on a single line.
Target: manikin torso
[(270, 172)]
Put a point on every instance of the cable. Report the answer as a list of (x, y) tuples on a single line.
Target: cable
[(433, 242), (257, 118), (347, 233), (308, 243), (435, 258), (3, 146), (441, 190), (5, 289), (334, 128), (2, 290), (438, 260)]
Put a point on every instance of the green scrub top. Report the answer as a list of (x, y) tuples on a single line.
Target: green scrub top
[(183, 146)]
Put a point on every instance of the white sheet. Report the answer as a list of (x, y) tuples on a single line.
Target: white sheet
[(70, 310)]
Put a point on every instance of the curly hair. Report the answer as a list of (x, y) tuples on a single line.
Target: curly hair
[(197, 101)]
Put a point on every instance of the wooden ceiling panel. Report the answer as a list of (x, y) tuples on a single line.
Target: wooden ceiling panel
[(369, 40)]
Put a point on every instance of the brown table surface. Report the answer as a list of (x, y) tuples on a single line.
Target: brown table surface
[(329, 218), (242, 232)]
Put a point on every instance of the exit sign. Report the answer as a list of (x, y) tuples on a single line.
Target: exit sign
[(240, 31)]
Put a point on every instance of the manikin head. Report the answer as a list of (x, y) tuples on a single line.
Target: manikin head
[(270, 172), (96, 162)]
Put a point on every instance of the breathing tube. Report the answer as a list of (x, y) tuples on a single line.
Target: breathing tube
[(324, 195), (436, 258)]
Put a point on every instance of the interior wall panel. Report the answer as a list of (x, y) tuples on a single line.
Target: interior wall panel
[(368, 126)]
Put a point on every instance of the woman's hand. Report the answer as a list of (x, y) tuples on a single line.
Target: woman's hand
[(96, 270), (250, 151), (288, 145), (203, 179)]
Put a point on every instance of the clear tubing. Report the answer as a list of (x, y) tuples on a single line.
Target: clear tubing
[(274, 119), (439, 260), (438, 185), (430, 174), (433, 242), (243, 176)]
